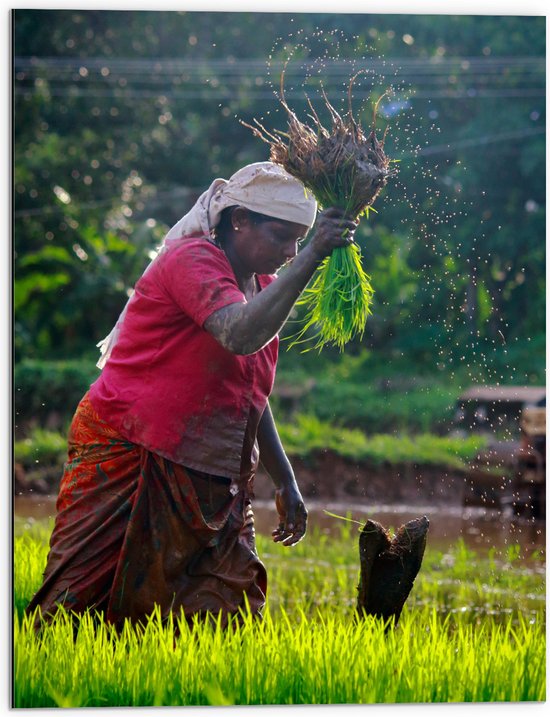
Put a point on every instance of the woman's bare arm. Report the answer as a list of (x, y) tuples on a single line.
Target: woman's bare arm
[(288, 500)]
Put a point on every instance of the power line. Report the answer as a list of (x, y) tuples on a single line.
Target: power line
[(183, 79), (120, 94), (141, 65), (224, 80), (54, 208), (200, 77), (189, 71)]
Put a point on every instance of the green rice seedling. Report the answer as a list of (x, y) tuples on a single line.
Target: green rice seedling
[(343, 167), (30, 551), (307, 649), (322, 659), (323, 570)]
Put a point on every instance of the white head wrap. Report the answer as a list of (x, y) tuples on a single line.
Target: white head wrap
[(262, 187)]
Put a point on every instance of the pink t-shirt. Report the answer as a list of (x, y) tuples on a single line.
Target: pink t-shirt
[(169, 385)]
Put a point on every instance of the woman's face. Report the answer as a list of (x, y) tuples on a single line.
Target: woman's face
[(264, 247)]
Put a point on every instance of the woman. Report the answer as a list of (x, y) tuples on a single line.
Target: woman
[(154, 503)]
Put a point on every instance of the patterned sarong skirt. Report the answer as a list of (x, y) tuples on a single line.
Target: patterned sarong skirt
[(134, 531)]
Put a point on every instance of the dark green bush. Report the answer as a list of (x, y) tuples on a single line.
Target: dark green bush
[(363, 389), (380, 408), (44, 388)]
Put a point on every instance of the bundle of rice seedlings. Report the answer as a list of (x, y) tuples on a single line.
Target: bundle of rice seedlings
[(343, 167)]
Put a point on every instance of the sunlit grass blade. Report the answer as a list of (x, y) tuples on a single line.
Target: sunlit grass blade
[(473, 630)]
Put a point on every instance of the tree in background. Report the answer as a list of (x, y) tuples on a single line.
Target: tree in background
[(123, 118)]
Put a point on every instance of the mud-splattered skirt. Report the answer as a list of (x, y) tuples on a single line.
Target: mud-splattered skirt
[(134, 531)]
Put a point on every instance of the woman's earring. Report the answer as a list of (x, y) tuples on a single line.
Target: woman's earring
[(236, 229)]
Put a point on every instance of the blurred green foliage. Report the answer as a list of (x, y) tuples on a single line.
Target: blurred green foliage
[(46, 388), (40, 449), (121, 118), (308, 435), (379, 407)]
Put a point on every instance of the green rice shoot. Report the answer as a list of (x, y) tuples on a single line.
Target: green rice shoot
[(345, 168), (473, 630), (338, 301)]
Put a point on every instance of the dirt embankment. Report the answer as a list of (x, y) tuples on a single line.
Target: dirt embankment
[(323, 475), (43, 481), (329, 476)]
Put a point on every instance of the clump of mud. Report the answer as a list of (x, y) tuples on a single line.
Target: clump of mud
[(389, 566)]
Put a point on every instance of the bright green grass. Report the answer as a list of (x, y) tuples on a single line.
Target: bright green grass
[(473, 630)]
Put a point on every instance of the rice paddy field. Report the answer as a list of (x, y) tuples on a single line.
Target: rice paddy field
[(472, 630)]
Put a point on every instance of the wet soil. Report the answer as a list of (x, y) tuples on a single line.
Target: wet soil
[(328, 476)]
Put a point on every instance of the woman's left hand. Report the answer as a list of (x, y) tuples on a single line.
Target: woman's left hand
[(292, 516)]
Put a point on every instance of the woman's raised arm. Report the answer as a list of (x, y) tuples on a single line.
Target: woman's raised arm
[(245, 328)]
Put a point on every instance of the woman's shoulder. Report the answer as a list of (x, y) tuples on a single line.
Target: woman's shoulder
[(192, 245), (192, 250)]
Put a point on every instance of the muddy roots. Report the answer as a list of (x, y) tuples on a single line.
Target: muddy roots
[(389, 567), (343, 167)]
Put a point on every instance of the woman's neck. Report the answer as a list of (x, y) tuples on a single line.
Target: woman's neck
[(246, 279)]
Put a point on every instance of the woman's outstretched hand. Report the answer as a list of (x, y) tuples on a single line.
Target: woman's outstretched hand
[(292, 516)]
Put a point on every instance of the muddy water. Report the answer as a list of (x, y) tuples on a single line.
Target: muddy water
[(480, 529)]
